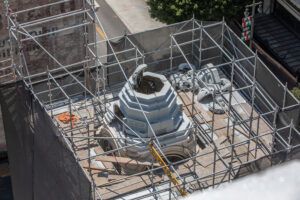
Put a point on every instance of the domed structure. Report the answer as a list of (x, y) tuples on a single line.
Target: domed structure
[(163, 109)]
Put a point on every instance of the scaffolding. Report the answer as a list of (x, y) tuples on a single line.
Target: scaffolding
[(222, 152), (7, 72)]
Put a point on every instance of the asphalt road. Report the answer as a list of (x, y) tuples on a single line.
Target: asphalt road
[(111, 23)]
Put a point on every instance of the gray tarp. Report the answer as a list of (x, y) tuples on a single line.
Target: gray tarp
[(41, 164)]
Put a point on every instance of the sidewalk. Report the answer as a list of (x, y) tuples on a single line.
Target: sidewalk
[(134, 14)]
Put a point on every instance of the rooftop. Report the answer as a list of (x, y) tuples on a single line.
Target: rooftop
[(251, 130)]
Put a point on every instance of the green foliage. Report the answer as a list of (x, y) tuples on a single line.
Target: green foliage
[(296, 92), (171, 11)]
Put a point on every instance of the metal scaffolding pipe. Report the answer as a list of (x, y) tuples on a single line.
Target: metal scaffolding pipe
[(94, 61)]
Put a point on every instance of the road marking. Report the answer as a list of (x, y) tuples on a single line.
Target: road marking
[(100, 32)]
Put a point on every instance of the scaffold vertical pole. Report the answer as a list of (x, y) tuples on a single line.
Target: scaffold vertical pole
[(252, 104), (230, 94), (257, 136), (49, 94), (212, 137), (171, 54), (232, 150), (200, 45)]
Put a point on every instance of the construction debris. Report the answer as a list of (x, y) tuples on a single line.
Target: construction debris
[(66, 118)]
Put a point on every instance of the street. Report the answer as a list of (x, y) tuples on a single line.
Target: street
[(111, 23)]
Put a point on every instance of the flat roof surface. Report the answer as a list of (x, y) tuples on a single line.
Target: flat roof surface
[(104, 171)]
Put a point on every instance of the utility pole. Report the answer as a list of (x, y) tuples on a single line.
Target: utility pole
[(246, 13)]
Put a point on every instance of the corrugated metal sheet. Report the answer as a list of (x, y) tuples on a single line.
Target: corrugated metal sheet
[(280, 41)]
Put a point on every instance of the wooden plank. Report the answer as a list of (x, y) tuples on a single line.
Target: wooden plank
[(202, 169), (188, 107), (99, 178), (252, 144), (131, 185), (99, 150), (263, 126), (85, 166), (245, 134), (124, 160), (110, 180), (204, 163)]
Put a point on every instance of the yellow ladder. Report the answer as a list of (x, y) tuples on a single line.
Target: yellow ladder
[(166, 169)]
